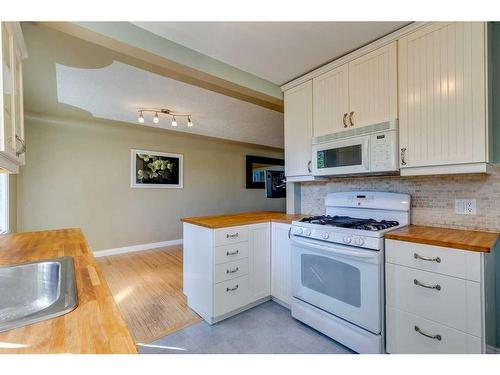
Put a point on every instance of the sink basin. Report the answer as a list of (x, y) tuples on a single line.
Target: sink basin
[(36, 291)]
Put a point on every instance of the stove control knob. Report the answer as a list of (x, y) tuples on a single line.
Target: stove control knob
[(359, 241), (325, 235), (298, 231), (307, 232), (347, 239)]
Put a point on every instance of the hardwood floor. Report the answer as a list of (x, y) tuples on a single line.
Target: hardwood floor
[(147, 287)]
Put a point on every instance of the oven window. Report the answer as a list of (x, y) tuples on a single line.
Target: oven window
[(331, 277), (340, 157)]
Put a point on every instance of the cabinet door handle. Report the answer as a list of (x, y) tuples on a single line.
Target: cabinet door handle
[(344, 120), (403, 156), (309, 163), (234, 235), (232, 253), (23, 146), (233, 270), (418, 283), (434, 337), (351, 120), (427, 259), (232, 289)]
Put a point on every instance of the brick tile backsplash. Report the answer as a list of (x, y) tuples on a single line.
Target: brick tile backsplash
[(432, 197)]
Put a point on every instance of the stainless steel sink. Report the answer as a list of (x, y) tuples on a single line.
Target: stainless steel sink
[(36, 291)]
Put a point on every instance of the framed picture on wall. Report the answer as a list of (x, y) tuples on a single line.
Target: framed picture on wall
[(152, 169)]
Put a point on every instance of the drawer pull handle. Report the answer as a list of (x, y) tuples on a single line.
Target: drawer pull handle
[(434, 337), (233, 270), (232, 253), (234, 235), (232, 289), (436, 259), (437, 286)]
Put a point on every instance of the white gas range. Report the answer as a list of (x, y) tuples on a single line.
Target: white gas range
[(338, 266)]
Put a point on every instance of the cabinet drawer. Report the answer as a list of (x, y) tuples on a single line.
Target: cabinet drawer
[(229, 253), (405, 335), (230, 295), (443, 299), (452, 262), (230, 270), (230, 235)]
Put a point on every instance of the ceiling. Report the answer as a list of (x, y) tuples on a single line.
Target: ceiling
[(114, 92), (67, 77), (275, 51)]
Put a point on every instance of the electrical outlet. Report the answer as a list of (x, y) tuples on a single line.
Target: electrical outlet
[(465, 206)]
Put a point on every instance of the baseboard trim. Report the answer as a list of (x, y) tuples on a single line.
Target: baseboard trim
[(135, 248)]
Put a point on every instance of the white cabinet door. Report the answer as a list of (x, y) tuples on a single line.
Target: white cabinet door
[(298, 130), (12, 51), (281, 259), (442, 95), (7, 123), (373, 90), (331, 101), (259, 259)]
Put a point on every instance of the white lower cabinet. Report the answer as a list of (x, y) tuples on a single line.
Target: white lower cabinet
[(226, 270), (231, 269), (281, 262), (436, 299)]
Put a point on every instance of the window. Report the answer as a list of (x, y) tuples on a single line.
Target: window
[(4, 203)]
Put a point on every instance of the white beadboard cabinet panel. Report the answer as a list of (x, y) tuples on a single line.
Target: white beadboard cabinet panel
[(259, 257), (442, 88), (298, 130), (281, 261), (373, 90), (331, 101)]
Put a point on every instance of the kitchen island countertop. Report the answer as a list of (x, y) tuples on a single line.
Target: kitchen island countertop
[(244, 218)]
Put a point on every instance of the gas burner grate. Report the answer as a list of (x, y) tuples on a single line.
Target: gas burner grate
[(351, 222)]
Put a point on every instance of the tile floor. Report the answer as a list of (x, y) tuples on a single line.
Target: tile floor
[(266, 329)]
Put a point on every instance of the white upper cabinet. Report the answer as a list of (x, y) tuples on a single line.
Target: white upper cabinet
[(373, 87), (298, 130), (12, 144), (331, 101), (442, 99), (359, 93)]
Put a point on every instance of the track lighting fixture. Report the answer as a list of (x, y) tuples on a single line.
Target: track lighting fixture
[(141, 117), (156, 118)]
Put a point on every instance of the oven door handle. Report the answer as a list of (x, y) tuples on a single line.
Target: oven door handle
[(351, 253)]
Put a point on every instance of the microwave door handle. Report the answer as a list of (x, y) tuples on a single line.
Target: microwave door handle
[(351, 253)]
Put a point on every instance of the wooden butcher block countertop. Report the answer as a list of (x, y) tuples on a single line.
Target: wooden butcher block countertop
[(453, 238), (95, 326), (232, 220)]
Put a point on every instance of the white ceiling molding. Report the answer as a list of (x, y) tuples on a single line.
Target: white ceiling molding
[(275, 51), (115, 92)]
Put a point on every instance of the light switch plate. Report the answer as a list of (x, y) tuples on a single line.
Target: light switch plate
[(465, 206)]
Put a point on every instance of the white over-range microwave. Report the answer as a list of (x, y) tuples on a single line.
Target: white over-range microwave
[(372, 149)]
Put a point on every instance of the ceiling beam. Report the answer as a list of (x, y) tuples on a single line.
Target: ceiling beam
[(207, 73)]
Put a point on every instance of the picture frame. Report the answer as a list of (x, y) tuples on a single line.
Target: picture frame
[(255, 170), (154, 169)]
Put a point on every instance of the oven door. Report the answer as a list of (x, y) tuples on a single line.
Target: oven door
[(345, 156), (344, 281)]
